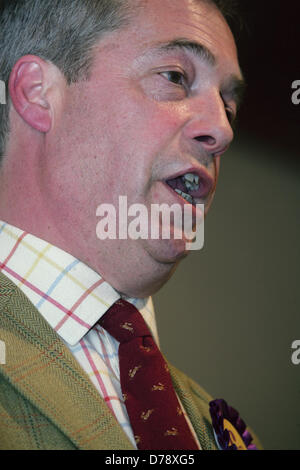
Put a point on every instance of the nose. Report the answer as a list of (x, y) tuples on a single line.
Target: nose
[(208, 123)]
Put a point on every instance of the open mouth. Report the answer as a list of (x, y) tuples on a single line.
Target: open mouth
[(193, 187)]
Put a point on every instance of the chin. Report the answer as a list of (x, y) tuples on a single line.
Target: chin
[(167, 251)]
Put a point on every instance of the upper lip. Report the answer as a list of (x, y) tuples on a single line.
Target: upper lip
[(206, 182)]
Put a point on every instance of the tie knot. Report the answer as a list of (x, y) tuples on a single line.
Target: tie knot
[(124, 322)]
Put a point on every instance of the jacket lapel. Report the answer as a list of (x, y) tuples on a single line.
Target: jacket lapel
[(44, 371), (196, 404)]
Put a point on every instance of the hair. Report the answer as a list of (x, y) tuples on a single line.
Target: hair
[(63, 32), (229, 8)]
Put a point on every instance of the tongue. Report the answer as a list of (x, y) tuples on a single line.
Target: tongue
[(177, 183)]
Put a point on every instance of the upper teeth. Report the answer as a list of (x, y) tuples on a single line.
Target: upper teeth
[(191, 181)]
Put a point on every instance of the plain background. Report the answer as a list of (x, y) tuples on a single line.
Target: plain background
[(230, 313)]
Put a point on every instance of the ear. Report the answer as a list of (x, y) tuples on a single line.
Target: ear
[(29, 83)]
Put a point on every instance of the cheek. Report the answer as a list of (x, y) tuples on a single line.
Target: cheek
[(154, 126), (166, 122), (142, 115), (112, 148), (165, 116)]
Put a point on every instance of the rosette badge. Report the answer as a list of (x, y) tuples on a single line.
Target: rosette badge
[(229, 429)]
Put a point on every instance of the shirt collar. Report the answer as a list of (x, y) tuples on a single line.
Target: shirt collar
[(70, 295)]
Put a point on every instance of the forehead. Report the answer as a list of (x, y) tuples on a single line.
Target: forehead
[(161, 21)]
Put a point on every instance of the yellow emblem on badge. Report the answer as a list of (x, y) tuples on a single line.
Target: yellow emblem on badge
[(234, 437)]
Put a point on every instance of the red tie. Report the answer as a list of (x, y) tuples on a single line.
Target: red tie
[(154, 411)]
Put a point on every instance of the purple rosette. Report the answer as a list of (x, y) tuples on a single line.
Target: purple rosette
[(219, 410)]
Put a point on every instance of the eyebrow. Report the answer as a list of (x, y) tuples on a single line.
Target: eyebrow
[(196, 48), (234, 86)]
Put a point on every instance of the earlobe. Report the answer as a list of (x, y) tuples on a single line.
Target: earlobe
[(28, 87)]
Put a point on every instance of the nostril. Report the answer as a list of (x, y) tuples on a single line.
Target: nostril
[(206, 139)]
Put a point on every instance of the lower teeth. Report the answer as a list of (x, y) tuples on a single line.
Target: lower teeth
[(187, 197)]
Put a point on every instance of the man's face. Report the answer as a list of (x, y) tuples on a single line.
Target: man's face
[(154, 109)]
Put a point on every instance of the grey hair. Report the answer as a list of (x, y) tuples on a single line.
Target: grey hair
[(63, 32)]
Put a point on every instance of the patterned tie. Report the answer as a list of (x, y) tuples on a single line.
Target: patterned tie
[(154, 411)]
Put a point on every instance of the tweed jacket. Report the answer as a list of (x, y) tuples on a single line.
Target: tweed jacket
[(47, 401)]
